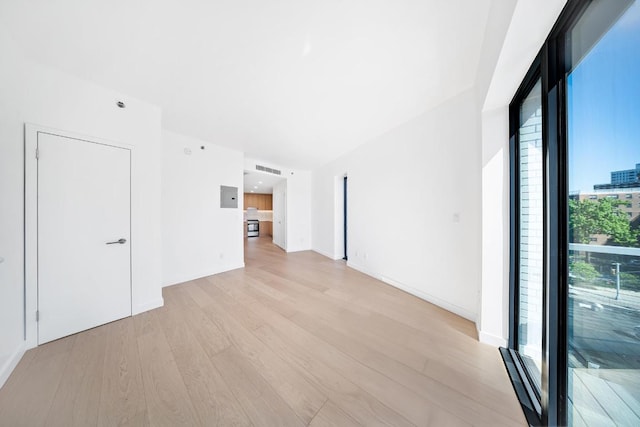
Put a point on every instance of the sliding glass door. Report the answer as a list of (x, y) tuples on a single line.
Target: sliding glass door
[(603, 137), (530, 237), (574, 347)]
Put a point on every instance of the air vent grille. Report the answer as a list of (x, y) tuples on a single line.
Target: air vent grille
[(268, 170)]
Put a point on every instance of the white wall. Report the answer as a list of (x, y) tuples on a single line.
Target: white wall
[(413, 206), (32, 93), (280, 214), (199, 238), (494, 312), (298, 211), (327, 207)]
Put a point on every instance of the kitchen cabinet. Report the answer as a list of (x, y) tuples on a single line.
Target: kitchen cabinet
[(264, 202), (266, 228), (250, 200)]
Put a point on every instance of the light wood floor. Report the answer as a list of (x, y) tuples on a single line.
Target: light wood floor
[(291, 340)]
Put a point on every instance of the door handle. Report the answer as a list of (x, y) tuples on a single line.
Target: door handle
[(119, 241)]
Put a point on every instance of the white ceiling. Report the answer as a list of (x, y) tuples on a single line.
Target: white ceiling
[(295, 82), (263, 181)]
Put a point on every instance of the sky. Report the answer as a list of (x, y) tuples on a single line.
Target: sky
[(604, 106)]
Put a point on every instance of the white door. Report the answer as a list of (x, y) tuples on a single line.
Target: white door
[(84, 278), (279, 214)]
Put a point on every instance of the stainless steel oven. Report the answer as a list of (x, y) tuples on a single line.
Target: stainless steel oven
[(253, 228)]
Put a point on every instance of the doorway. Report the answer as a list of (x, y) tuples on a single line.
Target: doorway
[(259, 210), (344, 216)]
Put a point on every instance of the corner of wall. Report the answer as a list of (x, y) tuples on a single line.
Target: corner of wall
[(490, 339), (11, 363), (148, 305)]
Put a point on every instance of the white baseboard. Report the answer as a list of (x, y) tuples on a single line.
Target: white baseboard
[(298, 250), (200, 275), (362, 269), (150, 305), (460, 311), (327, 254), (490, 339), (11, 363), (455, 309)]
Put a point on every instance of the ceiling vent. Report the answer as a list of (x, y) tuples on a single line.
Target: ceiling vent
[(268, 170)]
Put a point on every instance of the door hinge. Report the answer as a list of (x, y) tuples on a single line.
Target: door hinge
[(37, 153), (37, 315)]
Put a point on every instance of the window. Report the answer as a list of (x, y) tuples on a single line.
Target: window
[(529, 336), (575, 261), (603, 304)]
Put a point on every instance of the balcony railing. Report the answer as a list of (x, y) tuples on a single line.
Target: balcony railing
[(626, 262)]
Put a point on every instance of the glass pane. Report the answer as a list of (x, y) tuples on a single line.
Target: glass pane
[(531, 232), (603, 107)]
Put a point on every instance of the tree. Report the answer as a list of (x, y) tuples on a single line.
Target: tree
[(583, 270), (604, 216)]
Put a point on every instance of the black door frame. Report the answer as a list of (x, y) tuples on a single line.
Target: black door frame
[(344, 215)]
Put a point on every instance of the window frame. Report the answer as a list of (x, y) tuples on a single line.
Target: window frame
[(550, 406), (528, 392)]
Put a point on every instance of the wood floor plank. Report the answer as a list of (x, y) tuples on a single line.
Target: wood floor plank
[(391, 393), (30, 400), (77, 398), (473, 408), (261, 402), (122, 400), (382, 391), (212, 400), (330, 415), (168, 401), (209, 336), (368, 331), (356, 402), (291, 339), (300, 395), (247, 318), (20, 373), (359, 323)]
